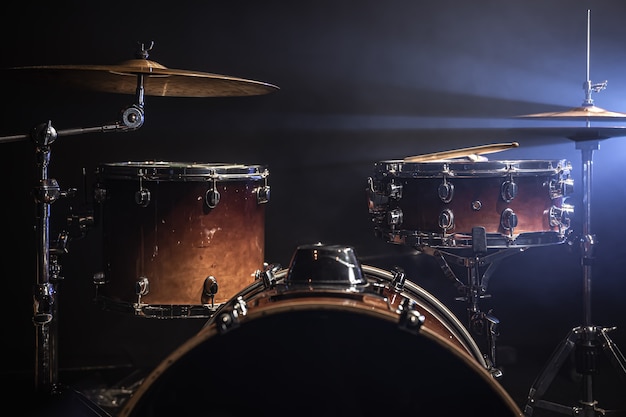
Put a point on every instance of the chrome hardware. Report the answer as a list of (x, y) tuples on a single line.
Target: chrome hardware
[(476, 205), (99, 278), (394, 217), (411, 320), (399, 279), (560, 216), (508, 190), (445, 191), (262, 194), (209, 289), (446, 219), (561, 188), (394, 190), (230, 320), (99, 194), (212, 198), (142, 287), (508, 220), (142, 197), (267, 274)]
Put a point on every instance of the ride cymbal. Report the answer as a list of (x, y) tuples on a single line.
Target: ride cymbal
[(582, 112), (158, 80)]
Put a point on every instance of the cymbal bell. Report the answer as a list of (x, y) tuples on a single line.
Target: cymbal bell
[(158, 80), (582, 112)]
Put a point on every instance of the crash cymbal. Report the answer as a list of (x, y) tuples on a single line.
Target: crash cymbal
[(582, 112), (573, 133), (158, 80)]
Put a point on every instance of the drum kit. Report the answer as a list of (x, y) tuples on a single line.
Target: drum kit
[(179, 222)]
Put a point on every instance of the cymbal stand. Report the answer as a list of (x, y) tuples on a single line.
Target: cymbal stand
[(480, 322), (586, 339), (45, 292)]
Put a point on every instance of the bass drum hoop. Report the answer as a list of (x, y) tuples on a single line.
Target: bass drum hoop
[(193, 348), (435, 307), (448, 319)]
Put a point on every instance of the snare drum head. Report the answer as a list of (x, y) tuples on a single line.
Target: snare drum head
[(311, 357)]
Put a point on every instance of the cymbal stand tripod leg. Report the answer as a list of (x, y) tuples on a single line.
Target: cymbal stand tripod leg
[(583, 340)]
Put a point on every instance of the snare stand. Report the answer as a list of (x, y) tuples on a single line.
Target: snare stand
[(476, 287), (587, 338)]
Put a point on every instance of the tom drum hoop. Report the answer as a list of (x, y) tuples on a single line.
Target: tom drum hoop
[(296, 343), (518, 202), (179, 238)]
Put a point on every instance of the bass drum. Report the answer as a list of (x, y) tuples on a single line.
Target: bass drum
[(298, 343)]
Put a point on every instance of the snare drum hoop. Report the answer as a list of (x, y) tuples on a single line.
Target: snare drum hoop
[(458, 240), (468, 169), (180, 171)]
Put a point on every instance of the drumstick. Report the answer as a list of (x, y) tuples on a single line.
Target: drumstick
[(456, 153)]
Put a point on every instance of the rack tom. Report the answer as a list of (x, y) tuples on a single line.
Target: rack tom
[(179, 238)]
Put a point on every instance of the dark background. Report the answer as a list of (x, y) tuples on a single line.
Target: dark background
[(360, 82)]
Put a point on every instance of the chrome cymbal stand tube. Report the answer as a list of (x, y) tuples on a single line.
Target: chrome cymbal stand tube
[(586, 339), (45, 292)]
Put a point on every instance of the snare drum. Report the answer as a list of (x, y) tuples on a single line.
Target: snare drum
[(179, 238), (324, 338), (519, 203)]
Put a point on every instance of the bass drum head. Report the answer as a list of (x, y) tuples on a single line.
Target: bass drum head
[(318, 357)]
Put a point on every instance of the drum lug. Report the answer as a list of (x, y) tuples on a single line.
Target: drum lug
[(263, 194), (142, 287), (446, 219), (209, 289), (394, 190), (508, 190), (230, 320), (445, 191), (411, 320), (559, 216), (99, 194), (142, 197), (561, 188), (394, 217), (99, 278), (399, 279), (267, 274), (376, 200), (508, 220), (212, 198)]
